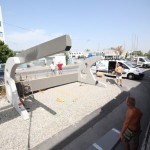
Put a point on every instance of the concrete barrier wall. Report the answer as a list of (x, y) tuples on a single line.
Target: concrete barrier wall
[(51, 81)]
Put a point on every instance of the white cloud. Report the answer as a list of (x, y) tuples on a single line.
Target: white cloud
[(24, 40)]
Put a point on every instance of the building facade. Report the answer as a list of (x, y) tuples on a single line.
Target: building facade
[(76, 54), (2, 36)]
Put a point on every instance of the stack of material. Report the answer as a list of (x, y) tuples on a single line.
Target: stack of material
[(99, 74)]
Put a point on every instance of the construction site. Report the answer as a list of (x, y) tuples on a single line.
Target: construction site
[(74, 110)]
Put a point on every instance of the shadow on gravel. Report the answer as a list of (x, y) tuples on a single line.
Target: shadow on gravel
[(141, 94), (31, 104), (8, 112), (100, 114)]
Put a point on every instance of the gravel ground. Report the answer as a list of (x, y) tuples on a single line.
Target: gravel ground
[(51, 111)]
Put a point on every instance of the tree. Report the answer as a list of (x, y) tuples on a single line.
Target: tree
[(87, 50), (147, 54), (127, 54), (67, 57), (5, 52), (118, 49), (137, 53)]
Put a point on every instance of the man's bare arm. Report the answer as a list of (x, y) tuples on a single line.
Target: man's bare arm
[(126, 122)]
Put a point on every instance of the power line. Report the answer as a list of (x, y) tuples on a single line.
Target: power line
[(17, 26), (24, 28)]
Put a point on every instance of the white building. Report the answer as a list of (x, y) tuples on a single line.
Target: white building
[(110, 54), (56, 59), (2, 37), (76, 54)]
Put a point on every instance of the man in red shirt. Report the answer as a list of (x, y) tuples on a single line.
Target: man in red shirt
[(59, 65)]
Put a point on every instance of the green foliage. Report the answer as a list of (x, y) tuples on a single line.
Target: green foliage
[(5, 52), (82, 56), (118, 49), (67, 57), (87, 50), (126, 54), (147, 54), (137, 53)]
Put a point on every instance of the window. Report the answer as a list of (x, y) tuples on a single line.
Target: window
[(141, 59), (123, 65), (129, 64), (147, 59)]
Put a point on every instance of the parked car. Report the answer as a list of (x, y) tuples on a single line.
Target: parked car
[(1, 75)]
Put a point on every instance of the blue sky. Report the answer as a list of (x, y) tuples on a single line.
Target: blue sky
[(92, 24)]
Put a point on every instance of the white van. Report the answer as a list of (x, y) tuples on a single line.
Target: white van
[(143, 62), (108, 67)]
